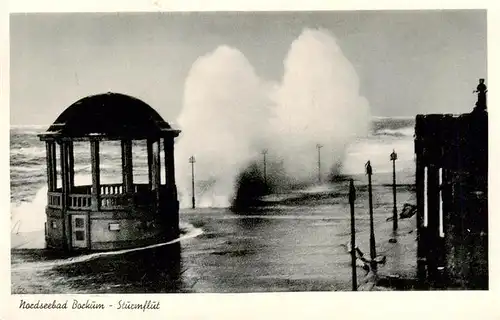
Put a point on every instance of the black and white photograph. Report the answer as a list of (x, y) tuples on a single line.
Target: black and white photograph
[(248, 152)]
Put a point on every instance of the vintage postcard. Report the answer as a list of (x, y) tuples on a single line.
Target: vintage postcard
[(159, 155)]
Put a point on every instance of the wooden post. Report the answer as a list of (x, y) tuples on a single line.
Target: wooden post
[(373, 252), (352, 198), (96, 175)]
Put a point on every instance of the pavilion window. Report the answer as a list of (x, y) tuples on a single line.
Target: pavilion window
[(140, 170), (163, 168)]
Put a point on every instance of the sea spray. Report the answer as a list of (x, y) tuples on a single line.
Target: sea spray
[(318, 102), (223, 123), (230, 115)]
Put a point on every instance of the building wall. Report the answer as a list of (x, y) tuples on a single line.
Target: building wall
[(130, 230), (136, 228), (54, 228), (458, 146)]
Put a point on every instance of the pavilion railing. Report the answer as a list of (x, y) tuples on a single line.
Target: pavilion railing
[(111, 189), (80, 201), (54, 199), (115, 201), (112, 197)]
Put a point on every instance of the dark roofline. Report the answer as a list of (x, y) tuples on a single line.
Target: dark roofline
[(51, 136), (110, 116)]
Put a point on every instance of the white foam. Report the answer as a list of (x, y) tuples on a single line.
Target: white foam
[(30, 216), (29, 152), (317, 189), (407, 131), (192, 232)]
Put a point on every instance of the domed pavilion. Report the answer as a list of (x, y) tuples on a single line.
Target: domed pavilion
[(110, 216)]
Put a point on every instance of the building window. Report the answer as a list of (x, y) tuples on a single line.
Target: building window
[(79, 223), (54, 225), (79, 235)]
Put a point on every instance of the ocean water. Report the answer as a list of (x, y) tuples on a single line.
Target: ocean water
[(296, 243)]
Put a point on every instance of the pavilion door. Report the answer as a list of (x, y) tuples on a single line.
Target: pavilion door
[(79, 231)]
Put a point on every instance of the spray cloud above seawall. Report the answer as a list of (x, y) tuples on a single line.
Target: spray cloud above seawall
[(230, 115)]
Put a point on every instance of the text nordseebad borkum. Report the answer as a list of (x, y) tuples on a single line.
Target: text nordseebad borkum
[(89, 304)]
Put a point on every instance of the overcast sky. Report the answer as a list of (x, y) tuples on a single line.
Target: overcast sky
[(408, 62)]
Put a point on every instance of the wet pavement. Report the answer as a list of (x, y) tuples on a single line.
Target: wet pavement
[(281, 248)]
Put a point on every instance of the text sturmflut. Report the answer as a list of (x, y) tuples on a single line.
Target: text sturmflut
[(147, 305)]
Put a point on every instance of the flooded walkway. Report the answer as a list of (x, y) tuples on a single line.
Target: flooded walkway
[(296, 247)]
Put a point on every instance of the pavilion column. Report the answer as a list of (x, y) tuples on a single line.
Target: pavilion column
[(71, 165), (168, 148), (96, 175), (53, 157), (64, 172), (66, 226), (173, 204), (51, 165), (127, 167), (150, 163), (156, 169)]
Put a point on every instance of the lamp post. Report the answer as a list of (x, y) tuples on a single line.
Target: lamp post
[(394, 157), (264, 153), (192, 160), (373, 253), (352, 198), (319, 146)]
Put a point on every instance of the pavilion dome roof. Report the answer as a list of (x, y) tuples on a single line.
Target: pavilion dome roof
[(110, 115)]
